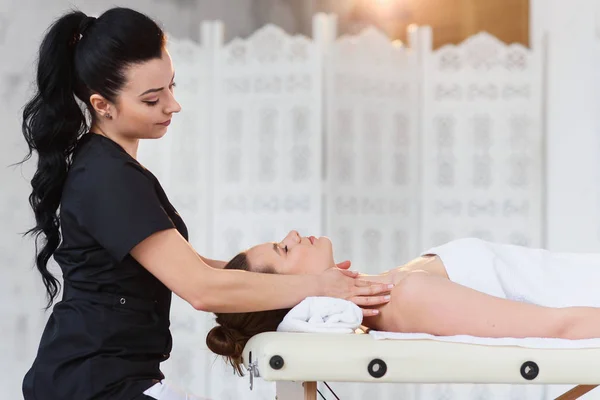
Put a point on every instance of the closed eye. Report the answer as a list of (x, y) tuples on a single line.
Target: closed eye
[(277, 248)]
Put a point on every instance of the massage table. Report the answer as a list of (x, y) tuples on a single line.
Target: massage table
[(297, 361)]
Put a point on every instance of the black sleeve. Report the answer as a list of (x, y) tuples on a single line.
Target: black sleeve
[(120, 208)]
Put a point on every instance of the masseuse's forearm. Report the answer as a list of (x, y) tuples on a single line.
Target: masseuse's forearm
[(173, 261), (213, 263), (242, 291)]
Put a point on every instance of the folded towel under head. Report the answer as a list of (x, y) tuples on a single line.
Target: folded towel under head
[(323, 315)]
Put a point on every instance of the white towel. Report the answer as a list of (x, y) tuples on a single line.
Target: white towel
[(166, 391), (323, 315), (533, 343), (523, 274)]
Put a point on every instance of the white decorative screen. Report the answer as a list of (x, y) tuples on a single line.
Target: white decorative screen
[(482, 143)]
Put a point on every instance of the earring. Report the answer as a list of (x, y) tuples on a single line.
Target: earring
[(107, 115)]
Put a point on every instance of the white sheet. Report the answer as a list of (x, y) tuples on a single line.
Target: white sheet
[(532, 343)]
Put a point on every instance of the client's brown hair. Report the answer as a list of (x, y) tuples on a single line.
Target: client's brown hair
[(234, 330)]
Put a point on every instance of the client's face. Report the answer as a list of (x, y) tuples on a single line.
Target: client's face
[(293, 255)]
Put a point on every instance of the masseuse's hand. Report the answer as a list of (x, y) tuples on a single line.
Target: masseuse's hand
[(338, 283)]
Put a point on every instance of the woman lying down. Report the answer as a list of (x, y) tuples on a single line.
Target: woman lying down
[(465, 287)]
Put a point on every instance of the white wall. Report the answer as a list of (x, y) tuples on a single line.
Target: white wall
[(569, 31)]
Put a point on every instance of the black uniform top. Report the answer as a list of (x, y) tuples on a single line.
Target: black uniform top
[(108, 334)]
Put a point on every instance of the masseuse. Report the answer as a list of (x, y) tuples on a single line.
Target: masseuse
[(122, 247)]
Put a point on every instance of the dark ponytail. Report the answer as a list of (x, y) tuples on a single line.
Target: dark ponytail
[(52, 123), (78, 56)]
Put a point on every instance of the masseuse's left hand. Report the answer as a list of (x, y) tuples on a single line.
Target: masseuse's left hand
[(365, 302)]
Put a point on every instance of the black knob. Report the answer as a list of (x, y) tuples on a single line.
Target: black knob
[(276, 362), (377, 368), (530, 370)]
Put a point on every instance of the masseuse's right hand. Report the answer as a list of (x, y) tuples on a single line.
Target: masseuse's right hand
[(343, 285)]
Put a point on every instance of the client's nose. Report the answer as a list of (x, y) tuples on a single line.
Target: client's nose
[(292, 238)]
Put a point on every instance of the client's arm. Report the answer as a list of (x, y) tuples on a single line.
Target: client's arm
[(431, 304)]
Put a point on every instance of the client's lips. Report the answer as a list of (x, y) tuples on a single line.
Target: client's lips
[(166, 123), (312, 239)]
